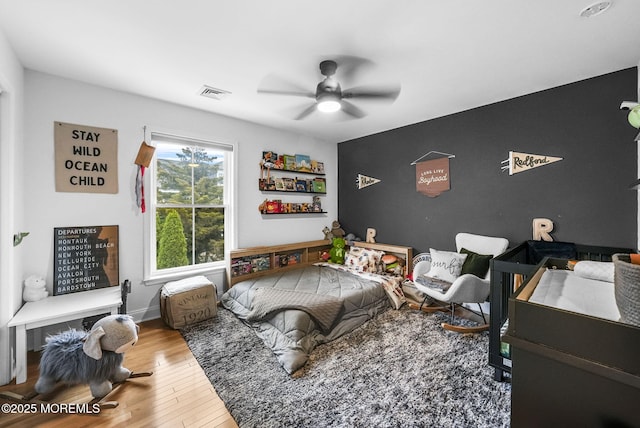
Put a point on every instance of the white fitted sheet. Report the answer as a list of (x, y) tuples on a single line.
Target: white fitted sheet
[(563, 289)]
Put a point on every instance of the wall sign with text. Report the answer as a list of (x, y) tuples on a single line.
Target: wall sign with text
[(365, 181), (84, 258), (432, 176), (519, 162), (86, 158)]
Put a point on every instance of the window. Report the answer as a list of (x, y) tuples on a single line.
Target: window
[(189, 205)]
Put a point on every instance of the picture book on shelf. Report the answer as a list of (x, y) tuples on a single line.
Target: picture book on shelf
[(303, 163), (289, 184), (317, 167), (279, 184), (319, 185), (289, 162), (301, 185)]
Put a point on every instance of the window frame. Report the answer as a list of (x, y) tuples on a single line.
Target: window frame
[(152, 275)]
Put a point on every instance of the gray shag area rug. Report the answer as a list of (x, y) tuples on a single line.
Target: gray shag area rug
[(400, 369)]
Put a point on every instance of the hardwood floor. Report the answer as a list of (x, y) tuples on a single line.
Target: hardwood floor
[(178, 394)]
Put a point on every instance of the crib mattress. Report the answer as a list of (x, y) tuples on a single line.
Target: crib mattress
[(564, 289)]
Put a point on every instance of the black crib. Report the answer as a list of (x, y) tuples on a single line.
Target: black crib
[(512, 268)]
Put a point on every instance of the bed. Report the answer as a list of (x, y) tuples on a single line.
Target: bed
[(296, 305)]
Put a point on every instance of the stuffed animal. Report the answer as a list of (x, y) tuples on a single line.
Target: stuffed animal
[(327, 233), (95, 357), (34, 289), (337, 252), (351, 238), (336, 230)]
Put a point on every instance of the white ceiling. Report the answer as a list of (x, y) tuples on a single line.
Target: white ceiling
[(448, 56)]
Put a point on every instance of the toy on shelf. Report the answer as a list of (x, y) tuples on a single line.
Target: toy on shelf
[(34, 289), (336, 230), (351, 238), (276, 206), (337, 252), (267, 162)]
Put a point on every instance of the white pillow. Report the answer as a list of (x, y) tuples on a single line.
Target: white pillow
[(601, 271), (357, 260), (363, 259), (445, 265)]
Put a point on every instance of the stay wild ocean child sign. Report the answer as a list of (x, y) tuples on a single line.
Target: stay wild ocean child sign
[(86, 158)]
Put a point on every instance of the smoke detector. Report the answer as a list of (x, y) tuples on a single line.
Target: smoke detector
[(215, 93), (595, 9)]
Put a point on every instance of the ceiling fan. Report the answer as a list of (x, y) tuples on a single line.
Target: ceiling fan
[(329, 95)]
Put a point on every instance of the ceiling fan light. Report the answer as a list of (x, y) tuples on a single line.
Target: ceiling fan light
[(328, 106), (328, 103)]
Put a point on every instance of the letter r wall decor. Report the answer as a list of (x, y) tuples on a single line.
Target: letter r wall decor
[(86, 158)]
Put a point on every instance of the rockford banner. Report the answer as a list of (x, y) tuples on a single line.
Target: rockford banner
[(432, 176), (86, 158), (519, 162)]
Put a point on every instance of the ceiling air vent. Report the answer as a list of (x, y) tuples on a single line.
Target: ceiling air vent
[(215, 93)]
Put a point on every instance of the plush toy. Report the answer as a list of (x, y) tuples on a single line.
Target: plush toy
[(34, 289), (351, 238), (263, 206), (95, 357), (336, 230), (337, 252), (327, 233)]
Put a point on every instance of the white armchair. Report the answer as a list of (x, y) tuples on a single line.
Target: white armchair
[(467, 288)]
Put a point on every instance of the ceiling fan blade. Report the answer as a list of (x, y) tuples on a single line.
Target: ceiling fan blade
[(279, 92), (276, 85), (351, 109), (306, 112), (373, 92)]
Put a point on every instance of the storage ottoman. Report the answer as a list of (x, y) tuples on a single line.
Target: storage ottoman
[(188, 301)]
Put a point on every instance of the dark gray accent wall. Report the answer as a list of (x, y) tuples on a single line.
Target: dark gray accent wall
[(586, 194)]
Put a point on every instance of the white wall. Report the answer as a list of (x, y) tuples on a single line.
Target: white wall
[(49, 99), (11, 120)]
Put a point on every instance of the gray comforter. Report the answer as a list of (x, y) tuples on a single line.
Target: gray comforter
[(337, 301)]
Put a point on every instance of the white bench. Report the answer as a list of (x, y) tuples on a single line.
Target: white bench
[(58, 309)]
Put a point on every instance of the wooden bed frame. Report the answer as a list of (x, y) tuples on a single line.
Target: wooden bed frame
[(260, 261)]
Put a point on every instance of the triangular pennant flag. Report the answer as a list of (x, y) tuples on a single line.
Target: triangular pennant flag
[(519, 162), (363, 181)]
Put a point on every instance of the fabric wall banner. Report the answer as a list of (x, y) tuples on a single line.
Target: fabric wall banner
[(432, 176), (363, 181), (519, 162), (86, 158)]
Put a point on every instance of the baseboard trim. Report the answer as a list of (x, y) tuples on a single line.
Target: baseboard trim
[(147, 314)]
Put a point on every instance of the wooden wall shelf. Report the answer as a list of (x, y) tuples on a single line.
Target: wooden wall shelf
[(292, 192), (297, 213)]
